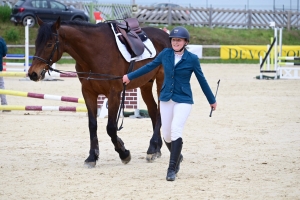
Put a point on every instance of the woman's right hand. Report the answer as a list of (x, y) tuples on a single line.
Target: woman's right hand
[(126, 79)]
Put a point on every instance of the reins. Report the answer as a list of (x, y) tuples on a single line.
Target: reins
[(49, 63), (110, 77), (131, 65)]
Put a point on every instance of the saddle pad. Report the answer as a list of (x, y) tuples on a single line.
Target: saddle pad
[(127, 55)]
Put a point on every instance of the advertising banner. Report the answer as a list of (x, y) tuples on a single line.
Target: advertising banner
[(254, 51), (196, 49)]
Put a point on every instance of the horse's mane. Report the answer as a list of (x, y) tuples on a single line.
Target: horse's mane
[(78, 23), (45, 31)]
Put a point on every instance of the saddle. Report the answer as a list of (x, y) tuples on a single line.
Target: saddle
[(131, 34)]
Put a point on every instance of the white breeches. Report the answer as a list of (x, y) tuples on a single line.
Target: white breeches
[(173, 118)]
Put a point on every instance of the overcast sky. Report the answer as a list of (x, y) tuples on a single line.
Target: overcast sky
[(235, 4)]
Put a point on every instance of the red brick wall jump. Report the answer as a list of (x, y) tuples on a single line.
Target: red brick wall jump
[(131, 99)]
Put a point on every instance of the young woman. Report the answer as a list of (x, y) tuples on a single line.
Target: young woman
[(176, 95), (3, 52)]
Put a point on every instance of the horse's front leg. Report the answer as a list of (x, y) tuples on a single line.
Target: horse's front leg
[(91, 104), (94, 145), (111, 128)]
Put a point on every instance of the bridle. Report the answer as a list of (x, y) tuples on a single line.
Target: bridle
[(49, 62)]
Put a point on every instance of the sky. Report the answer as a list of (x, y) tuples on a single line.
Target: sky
[(234, 4)]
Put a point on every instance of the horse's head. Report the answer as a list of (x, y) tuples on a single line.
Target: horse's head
[(47, 49)]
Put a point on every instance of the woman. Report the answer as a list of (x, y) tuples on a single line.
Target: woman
[(3, 52), (176, 95)]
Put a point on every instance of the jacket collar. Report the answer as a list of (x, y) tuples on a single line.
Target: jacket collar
[(172, 55)]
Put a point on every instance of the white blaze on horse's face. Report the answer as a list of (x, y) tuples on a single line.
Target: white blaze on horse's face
[(178, 43)]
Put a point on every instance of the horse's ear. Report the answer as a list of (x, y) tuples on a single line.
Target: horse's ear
[(57, 23), (39, 21)]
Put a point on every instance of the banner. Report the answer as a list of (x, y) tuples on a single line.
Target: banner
[(255, 51), (195, 49)]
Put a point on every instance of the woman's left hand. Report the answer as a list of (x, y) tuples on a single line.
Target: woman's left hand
[(214, 106)]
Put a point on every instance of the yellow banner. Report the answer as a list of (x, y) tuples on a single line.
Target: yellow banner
[(255, 51)]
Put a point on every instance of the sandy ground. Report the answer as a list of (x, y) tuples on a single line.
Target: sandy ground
[(248, 149)]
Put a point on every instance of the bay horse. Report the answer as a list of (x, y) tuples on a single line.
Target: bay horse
[(95, 51)]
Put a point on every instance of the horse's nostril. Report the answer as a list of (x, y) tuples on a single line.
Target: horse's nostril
[(33, 76)]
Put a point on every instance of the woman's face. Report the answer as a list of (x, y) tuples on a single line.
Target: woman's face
[(178, 43)]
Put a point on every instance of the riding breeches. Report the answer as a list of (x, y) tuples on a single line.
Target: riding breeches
[(2, 96), (173, 118)]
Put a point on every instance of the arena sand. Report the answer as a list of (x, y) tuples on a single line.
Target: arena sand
[(248, 149)]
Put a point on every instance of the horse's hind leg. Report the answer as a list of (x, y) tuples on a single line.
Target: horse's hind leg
[(111, 128), (155, 145)]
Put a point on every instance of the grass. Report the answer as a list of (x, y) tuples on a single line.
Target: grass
[(199, 35)]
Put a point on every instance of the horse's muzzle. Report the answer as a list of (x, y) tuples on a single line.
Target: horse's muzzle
[(35, 77)]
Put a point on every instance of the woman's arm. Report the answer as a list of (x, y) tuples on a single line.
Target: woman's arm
[(144, 69)]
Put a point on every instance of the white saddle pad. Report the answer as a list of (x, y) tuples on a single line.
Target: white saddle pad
[(148, 43)]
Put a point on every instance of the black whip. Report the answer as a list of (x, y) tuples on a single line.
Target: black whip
[(215, 98)]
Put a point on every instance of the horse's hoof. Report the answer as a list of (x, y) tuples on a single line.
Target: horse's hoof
[(152, 157), (90, 164), (127, 160)]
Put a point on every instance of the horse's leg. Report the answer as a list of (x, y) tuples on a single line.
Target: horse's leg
[(90, 98), (111, 128), (91, 104), (155, 145)]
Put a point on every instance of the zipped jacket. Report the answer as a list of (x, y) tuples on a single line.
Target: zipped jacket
[(176, 85), (3, 52)]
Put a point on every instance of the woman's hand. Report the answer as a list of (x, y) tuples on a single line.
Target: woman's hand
[(214, 106), (126, 79)]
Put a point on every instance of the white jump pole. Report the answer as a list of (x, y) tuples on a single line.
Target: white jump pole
[(137, 110), (260, 61), (268, 58), (280, 42), (27, 45), (275, 52)]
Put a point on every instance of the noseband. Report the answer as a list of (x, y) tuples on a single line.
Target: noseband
[(49, 61)]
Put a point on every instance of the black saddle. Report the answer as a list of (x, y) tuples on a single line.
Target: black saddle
[(131, 36)]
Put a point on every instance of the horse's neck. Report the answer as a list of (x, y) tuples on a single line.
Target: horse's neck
[(86, 43), (76, 41)]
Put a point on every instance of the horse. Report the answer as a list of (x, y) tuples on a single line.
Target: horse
[(94, 48)]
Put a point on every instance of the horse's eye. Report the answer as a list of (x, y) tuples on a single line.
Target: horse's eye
[(49, 45)]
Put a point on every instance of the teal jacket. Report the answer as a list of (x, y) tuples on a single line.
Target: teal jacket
[(3, 52), (176, 85)]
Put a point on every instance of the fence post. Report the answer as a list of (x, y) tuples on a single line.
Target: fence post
[(169, 16), (289, 21), (91, 13), (249, 19), (113, 11), (210, 17)]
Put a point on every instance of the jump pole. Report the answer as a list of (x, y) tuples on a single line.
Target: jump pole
[(44, 108), (42, 96), (27, 45), (24, 74)]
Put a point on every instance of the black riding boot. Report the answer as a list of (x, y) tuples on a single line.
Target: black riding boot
[(180, 158), (176, 147)]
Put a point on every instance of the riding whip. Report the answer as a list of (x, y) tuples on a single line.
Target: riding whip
[(215, 98)]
